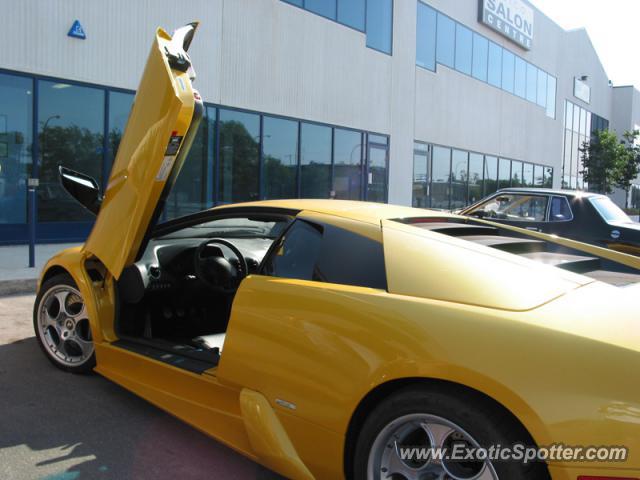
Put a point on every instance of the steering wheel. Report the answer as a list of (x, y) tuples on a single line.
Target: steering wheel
[(217, 272)]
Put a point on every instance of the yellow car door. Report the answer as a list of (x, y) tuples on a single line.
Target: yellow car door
[(160, 129)]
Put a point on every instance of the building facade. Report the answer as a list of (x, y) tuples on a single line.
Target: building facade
[(426, 102)]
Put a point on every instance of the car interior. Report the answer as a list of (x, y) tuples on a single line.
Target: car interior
[(175, 300)]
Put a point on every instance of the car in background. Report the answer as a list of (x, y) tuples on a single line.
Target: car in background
[(583, 216)]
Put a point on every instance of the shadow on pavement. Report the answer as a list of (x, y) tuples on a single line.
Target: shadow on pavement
[(60, 426)]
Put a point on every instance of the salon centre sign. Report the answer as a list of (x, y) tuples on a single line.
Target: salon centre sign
[(511, 18)]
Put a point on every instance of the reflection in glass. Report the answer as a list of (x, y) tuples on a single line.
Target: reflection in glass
[(351, 13), (551, 96), (326, 8), (495, 65), (532, 82), (119, 108), (446, 33), (504, 173), (315, 153), (238, 155), (516, 174), (476, 167), (16, 105), (189, 193), (542, 88), (420, 175), (463, 51), (520, 82), (459, 176), (280, 157), (347, 170), (68, 136), (508, 71), (426, 37), (377, 177), (379, 25), (480, 57), (490, 174), (548, 177), (441, 176), (538, 176), (527, 175)]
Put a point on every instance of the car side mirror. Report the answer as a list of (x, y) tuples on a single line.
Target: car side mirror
[(81, 187)]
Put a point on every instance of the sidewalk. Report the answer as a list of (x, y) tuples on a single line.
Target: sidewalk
[(15, 275)]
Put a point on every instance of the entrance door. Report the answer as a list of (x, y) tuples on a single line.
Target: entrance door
[(377, 168)]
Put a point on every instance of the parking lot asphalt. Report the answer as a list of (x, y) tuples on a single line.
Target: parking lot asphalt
[(59, 426)]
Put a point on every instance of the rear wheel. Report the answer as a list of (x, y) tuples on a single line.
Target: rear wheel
[(426, 418), (62, 326)]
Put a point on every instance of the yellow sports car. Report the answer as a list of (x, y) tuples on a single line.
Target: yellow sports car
[(330, 339)]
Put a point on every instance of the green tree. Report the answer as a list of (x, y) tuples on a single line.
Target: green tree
[(610, 163)]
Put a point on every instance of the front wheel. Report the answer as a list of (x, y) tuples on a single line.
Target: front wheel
[(402, 433), (62, 326)]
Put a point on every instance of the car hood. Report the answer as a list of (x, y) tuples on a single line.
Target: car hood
[(631, 226)]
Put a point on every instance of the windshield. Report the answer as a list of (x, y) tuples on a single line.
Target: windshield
[(235, 227), (608, 210), (514, 207)]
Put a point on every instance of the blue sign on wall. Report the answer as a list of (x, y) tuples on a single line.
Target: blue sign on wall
[(77, 31)]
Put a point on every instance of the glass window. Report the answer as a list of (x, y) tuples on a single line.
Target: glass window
[(516, 174), (347, 169), (379, 25), (490, 174), (351, 13), (190, 192), (608, 210), (378, 139), (280, 158), (72, 137), (576, 119), (347, 258), (480, 57), (326, 8), (420, 175), (295, 2), (560, 210), (238, 156), (568, 115), (494, 76), (16, 107), (542, 88), (520, 82), (476, 167), (315, 153), (548, 177), (297, 253), (119, 109), (446, 40), (508, 71), (532, 83), (377, 176), (538, 176), (551, 96), (504, 173), (513, 207), (441, 176), (527, 175), (464, 49), (426, 37), (459, 176)]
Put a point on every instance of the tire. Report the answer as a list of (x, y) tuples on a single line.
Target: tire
[(62, 326), (416, 415)]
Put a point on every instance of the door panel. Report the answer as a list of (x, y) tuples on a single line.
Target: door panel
[(148, 157)]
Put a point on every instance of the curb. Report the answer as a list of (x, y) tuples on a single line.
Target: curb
[(17, 287)]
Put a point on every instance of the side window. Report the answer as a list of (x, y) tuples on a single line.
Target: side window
[(560, 210), (326, 253), (522, 208)]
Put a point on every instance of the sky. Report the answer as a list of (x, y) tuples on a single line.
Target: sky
[(612, 26)]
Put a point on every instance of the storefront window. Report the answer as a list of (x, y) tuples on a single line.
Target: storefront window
[(516, 174), (280, 158), (476, 166), (71, 137), (16, 106), (441, 168), (347, 170), (420, 175), (119, 109), (459, 177), (504, 173), (238, 156), (490, 174), (315, 160), (378, 168)]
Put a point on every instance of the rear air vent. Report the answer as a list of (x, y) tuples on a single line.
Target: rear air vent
[(540, 251)]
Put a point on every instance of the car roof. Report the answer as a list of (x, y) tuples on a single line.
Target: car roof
[(566, 193), (356, 210)]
